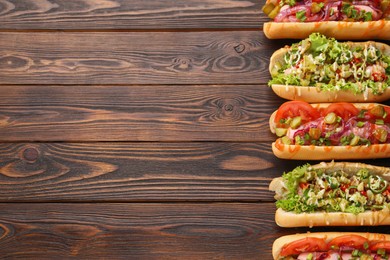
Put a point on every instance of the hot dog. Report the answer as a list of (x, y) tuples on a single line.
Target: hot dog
[(321, 69), (332, 245), (346, 19), (333, 194), (331, 131)]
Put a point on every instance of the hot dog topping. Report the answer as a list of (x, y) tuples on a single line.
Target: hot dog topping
[(345, 247), (338, 124), (330, 10), (330, 65), (310, 190)]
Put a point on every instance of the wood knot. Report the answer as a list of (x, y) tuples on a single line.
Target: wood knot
[(239, 48), (30, 154), (5, 231), (229, 107), (14, 63), (183, 64)]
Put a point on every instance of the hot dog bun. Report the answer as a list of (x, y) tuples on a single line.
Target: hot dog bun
[(328, 236), (311, 152), (368, 218), (337, 29), (314, 95)]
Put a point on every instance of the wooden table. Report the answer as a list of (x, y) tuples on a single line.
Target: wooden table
[(137, 130)]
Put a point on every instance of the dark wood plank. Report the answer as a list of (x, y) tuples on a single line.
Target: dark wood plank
[(135, 14), (220, 57), (136, 172), (136, 231), (136, 113), (142, 231)]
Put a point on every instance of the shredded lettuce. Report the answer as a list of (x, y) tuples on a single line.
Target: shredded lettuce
[(285, 80), (318, 43), (292, 178), (330, 65), (354, 209), (310, 190)]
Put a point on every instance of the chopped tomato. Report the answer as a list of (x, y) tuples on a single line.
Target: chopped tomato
[(343, 187), (386, 117), (308, 244), (379, 76), (291, 109), (356, 60), (303, 185), (385, 245), (342, 109), (354, 241)]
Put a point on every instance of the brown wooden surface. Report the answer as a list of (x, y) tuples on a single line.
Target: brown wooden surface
[(136, 172), (134, 14), (216, 57), (137, 130)]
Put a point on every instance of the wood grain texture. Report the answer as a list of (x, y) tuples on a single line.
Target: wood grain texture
[(142, 231), (131, 172), (136, 113), (134, 14), (135, 57), (136, 231)]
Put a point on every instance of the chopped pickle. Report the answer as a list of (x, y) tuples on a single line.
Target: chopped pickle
[(316, 7), (381, 251), (299, 140), (315, 133), (360, 124), (355, 140), (330, 118), (379, 122), (288, 121), (356, 253), (296, 122), (305, 82), (378, 111), (267, 8), (274, 12), (380, 134), (280, 131), (286, 140)]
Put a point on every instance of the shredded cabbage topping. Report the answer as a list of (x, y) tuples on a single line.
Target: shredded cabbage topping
[(330, 65), (310, 190)]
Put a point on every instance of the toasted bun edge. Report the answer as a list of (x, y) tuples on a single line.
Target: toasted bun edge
[(368, 218), (281, 241), (337, 29)]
